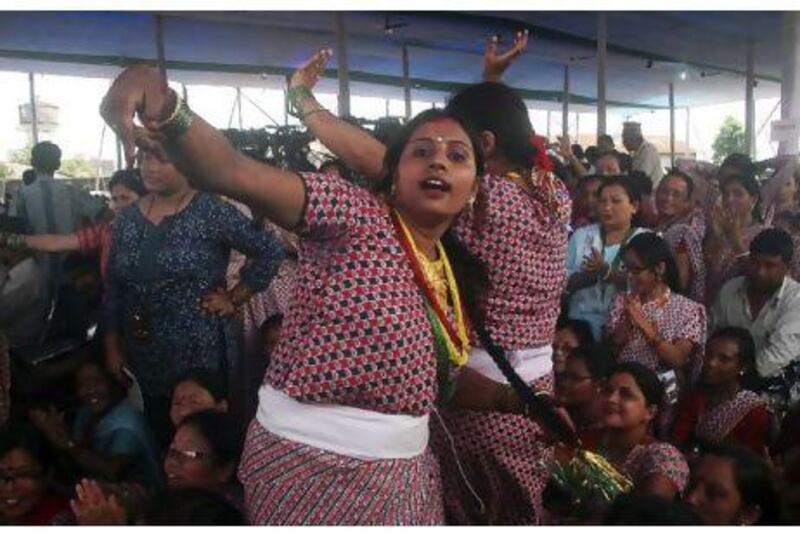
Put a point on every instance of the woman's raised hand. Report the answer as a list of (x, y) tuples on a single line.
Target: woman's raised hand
[(140, 90), (307, 75), (496, 63), (92, 507)]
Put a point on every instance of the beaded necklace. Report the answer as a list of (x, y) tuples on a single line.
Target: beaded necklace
[(436, 280)]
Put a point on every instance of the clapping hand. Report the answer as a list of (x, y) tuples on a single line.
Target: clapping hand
[(496, 63), (594, 264), (92, 507), (636, 318)]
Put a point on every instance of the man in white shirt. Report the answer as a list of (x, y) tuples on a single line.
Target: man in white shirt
[(766, 302), (645, 155)]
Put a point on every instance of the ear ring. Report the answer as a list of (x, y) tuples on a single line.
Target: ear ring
[(392, 189), (471, 201)]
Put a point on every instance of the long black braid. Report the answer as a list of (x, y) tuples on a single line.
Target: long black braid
[(473, 280)]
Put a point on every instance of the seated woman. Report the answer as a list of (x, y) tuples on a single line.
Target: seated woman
[(25, 497), (570, 334), (109, 440), (197, 390), (731, 227), (720, 410), (594, 253), (683, 226), (202, 457), (732, 486), (653, 325), (578, 386), (631, 398), (204, 454)]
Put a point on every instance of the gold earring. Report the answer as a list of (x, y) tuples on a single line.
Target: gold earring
[(392, 190)]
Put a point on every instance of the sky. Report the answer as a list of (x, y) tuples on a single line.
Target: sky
[(81, 130)]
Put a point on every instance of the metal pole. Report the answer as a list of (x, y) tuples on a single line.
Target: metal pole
[(672, 124), (749, 102), (34, 113), (790, 82), (577, 127), (565, 104), (285, 109), (162, 63), (548, 125), (185, 91), (119, 154), (688, 145), (344, 79), (239, 105), (602, 33), (407, 81)]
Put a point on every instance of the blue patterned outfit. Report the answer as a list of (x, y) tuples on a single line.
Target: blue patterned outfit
[(160, 272)]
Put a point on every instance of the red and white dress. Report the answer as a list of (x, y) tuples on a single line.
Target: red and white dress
[(651, 457), (687, 236), (355, 338), (521, 237), (743, 420), (677, 318)]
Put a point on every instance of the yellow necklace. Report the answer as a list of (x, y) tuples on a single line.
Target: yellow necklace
[(441, 280)]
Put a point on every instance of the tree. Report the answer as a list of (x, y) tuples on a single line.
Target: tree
[(5, 171), (729, 139), (22, 156), (78, 167)]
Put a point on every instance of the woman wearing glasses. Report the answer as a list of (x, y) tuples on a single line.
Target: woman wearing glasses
[(25, 496)]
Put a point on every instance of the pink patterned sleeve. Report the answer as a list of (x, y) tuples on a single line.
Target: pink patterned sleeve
[(665, 459), (333, 206), (693, 328)]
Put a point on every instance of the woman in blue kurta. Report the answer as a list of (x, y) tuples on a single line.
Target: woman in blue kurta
[(168, 310)]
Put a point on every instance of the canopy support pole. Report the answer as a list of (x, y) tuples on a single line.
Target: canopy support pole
[(749, 102), (688, 144), (344, 75), (602, 34), (672, 124), (565, 104), (407, 82), (239, 106), (162, 62), (790, 78), (548, 125), (34, 111)]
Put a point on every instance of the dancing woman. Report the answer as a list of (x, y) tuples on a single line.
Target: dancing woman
[(517, 227)]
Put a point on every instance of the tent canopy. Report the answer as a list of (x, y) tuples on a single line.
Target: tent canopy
[(703, 53)]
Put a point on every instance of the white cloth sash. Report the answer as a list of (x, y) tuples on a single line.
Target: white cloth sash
[(530, 363), (349, 431)]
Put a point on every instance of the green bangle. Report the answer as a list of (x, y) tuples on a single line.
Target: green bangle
[(297, 96), (178, 123), (16, 242)]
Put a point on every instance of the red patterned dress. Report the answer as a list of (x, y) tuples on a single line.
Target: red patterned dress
[(686, 236), (649, 458), (521, 237), (96, 238), (677, 318), (356, 335), (743, 420)]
